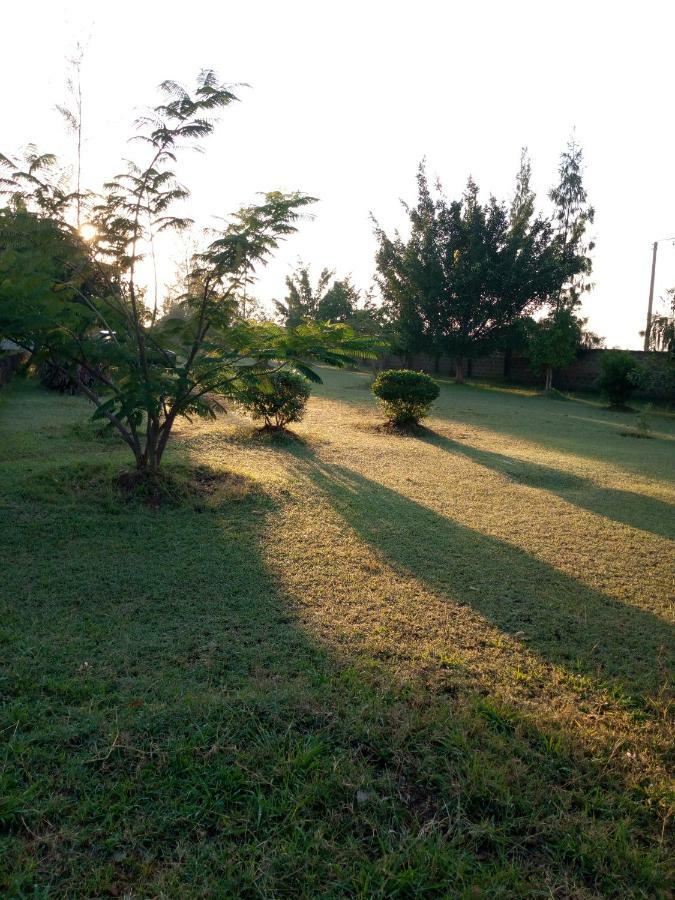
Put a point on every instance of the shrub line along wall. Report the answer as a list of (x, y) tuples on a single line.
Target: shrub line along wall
[(581, 375)]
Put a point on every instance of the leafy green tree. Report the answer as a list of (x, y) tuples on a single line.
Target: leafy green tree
[(302, 298), (522, 204), (371, 318), (410, 275), (553, 342), (468, 271), (619, 376), (70, 299), (339, 303)]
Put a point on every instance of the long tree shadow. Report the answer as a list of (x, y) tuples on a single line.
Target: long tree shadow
[(184, 734), (636, 510), (563, 620), (561, 426)]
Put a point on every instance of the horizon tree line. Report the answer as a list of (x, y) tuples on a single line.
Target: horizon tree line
[(472, 277)]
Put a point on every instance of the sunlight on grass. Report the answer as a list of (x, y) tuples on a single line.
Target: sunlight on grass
[(384, 666)]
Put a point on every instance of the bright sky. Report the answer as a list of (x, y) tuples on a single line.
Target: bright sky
[(347, 97)]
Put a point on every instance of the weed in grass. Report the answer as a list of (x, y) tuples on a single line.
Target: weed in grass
[(643, 425)]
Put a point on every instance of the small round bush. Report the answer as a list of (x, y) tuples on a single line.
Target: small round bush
[(405, 396), (619, 376), (278, 399)]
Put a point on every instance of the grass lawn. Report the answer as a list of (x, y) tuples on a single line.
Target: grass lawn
[(360, 665)]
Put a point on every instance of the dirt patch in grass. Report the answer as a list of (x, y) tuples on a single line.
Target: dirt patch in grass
[(389, 429), (101, 485), (198, 487)]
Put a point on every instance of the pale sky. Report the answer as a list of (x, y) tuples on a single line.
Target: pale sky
[(346, 98)]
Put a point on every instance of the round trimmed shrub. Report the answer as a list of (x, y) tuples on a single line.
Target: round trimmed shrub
[(278, 399), (405, 396), (619, 376)]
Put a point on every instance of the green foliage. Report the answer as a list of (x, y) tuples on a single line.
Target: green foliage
[(553, 342), (302, 300), (339, 303), (656, 377), (316, 690), (619, 376), (81, 302), (406, 396), (278, 399), (469, 270)]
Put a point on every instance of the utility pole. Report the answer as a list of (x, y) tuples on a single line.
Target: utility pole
[(651, 296)]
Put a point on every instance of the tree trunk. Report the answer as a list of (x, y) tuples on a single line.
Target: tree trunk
[(549, 378), (459, 370), (148, 461)]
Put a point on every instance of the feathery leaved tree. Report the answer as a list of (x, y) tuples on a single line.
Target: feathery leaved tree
[(82, 303)]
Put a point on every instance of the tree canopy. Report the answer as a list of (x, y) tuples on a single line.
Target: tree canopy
[(81, 304), (469, 270)]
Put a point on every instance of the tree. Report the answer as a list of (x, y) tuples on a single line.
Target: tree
[(302, 299), (468, 271), (553, 342), (371, 318), (589, 340), (339, 303), (522, 204), (572, 216), (619, 376), (66, 298), (410, 275)]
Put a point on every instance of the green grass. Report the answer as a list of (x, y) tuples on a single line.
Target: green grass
[(353, 665)]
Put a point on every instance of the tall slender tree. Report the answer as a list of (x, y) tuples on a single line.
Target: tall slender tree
[(572, 215), (339, 303), (522, 204)]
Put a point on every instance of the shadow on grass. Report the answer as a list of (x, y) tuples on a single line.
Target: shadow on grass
[(563, 427), (172, 729), (636, 510), (563, 620)]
